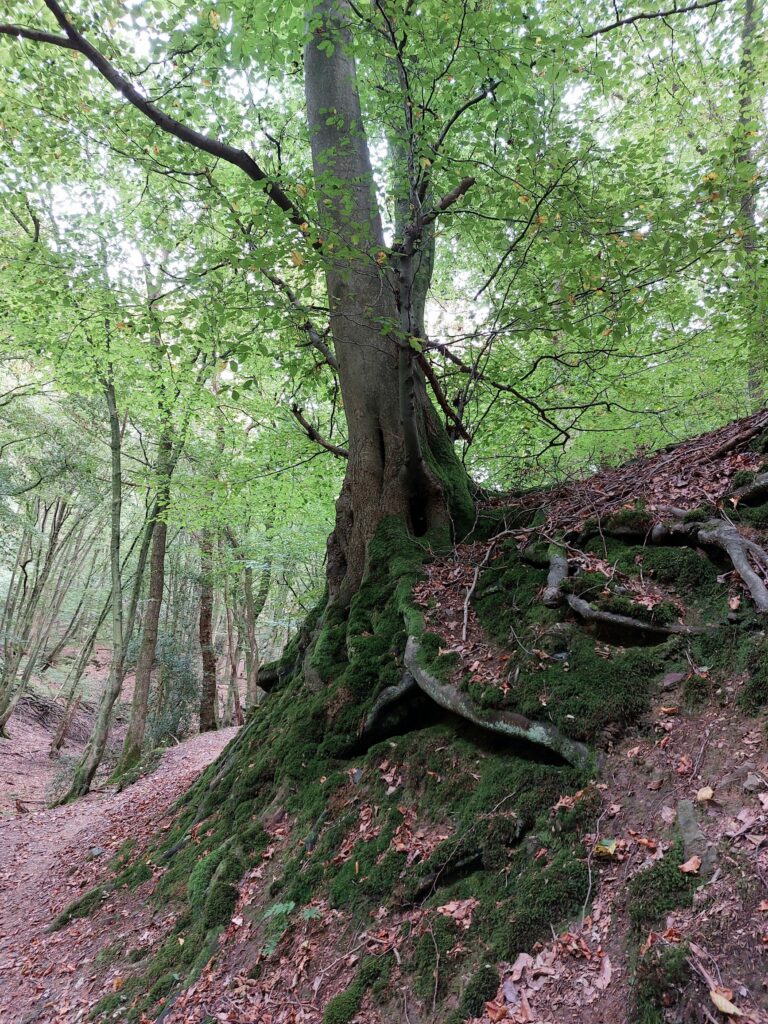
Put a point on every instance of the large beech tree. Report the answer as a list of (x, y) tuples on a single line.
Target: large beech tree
[(401, 458)]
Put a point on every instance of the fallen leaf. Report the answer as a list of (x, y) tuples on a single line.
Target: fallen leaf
[(495, 1011), (603, 979), (721, 998), (668, 814), (691, 866), (605, 848)]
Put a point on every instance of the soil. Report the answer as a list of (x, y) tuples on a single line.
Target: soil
[(51, 857)]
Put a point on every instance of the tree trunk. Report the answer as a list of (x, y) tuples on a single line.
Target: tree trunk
[(134, 739), (208, 694), (94, 752), (401, 461)]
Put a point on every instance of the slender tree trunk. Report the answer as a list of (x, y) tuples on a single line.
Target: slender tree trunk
[(94, 752), (401, 461), (208, 693), (134, 738), (253, 606)]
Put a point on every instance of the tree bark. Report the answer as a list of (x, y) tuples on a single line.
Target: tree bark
[(401, 461), (134, 738), (208, 693)]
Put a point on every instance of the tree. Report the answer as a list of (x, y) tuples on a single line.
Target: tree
[(444, 117)]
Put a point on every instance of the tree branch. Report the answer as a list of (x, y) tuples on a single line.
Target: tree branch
[(649, 15), (75, 40), (313, 434), (20, 32), (442, 401)]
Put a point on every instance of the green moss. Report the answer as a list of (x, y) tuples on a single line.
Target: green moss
[(547, 892), (697, 515), (481, 987), (109, 954), (587, 693), (343, 1007), (660, 889), (754, 693), (660, 975), (440, 455), (219, 904), (427, 964), (202, 874), (630, 520), (756, 515), (135, 875), (662, 614), (83, 907), (683, 568), (742, 477)]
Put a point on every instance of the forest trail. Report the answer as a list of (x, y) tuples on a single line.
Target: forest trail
[(51, 857)]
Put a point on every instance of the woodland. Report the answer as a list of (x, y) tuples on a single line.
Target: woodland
[(383, 511)]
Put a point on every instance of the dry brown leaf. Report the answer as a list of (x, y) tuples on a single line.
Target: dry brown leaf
[(721, 997), (691, 866)]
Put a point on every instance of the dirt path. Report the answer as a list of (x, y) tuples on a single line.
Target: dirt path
[(50, 857)]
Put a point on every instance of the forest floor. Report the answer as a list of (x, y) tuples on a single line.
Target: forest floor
[(50, 857), (714, 758)]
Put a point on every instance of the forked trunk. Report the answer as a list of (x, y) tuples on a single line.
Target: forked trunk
[(401, 461)]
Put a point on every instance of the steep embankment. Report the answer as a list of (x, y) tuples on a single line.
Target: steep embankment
[(555, 810)]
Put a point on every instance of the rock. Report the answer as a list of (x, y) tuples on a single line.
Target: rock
[(753, 783), (671, 680), (96, 851), (694, 841)]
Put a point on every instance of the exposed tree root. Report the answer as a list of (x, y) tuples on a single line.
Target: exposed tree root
[(503, 723), (391, 695), (558, 573), (755, 490), (588, 613), (719, 533)]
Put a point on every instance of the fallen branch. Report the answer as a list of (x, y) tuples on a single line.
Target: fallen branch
[(503, 723)]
